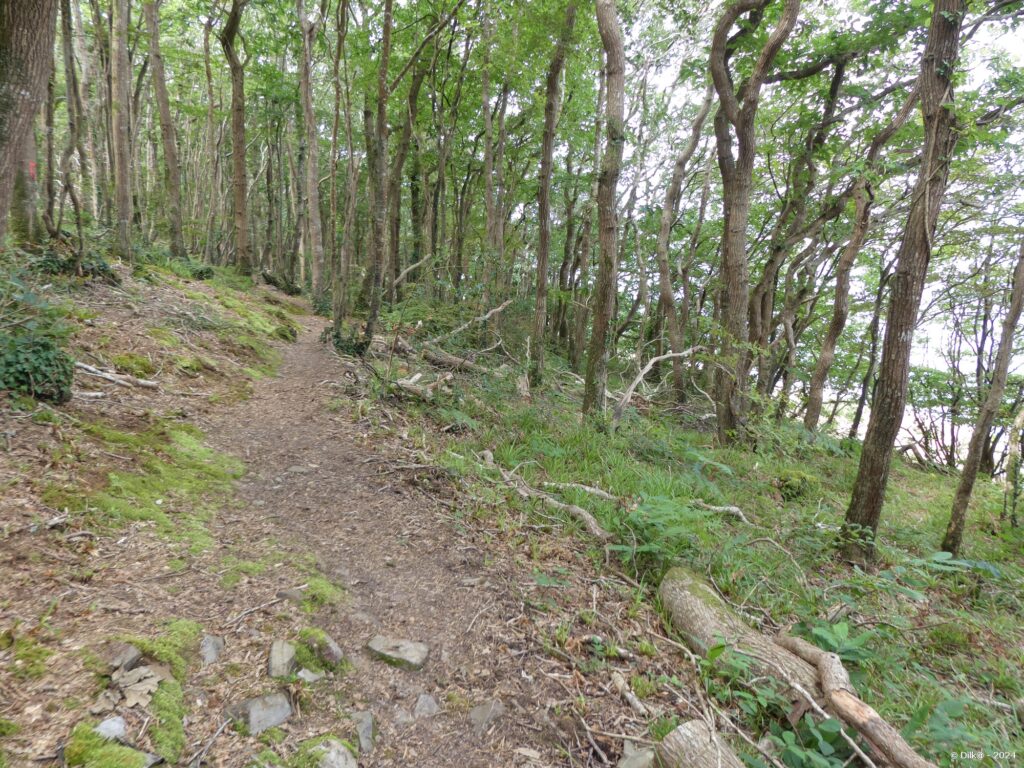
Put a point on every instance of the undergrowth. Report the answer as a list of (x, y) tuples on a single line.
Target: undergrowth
[(930, 641)]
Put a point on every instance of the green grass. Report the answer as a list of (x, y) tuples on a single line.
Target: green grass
[(28, 658), (927, 641), (174, 646)]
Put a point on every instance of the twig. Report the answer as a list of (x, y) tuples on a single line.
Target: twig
[(197, 759), (121, 379), (585, 488), (267, 604)]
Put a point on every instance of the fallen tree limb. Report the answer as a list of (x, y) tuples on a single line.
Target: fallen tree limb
[(121, 379), (705, 621), (725, 510), (425, 392), (842, 697), (695, 745), (482, 319), (628, 696), (620, 407), (447, 360), (585, 488), (527, 492)]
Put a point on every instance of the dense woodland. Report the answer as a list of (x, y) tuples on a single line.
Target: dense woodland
[(770, 216)]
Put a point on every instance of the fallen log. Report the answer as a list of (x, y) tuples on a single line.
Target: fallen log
[(695, 745), (704, 621), (842, 698), (447, 360)]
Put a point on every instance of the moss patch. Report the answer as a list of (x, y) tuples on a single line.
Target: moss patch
[(87, 748), (310, 652), (320, 592), (8, 728), (173, 646), (136, 365), (168, 734), (310, 751), (178, 474)]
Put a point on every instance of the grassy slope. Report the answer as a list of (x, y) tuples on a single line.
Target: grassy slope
[(930, 643)]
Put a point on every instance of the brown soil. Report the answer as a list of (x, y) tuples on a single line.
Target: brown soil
[(334, 488)]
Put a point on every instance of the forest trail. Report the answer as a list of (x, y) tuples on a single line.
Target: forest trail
[(317, 488), (320, 486)]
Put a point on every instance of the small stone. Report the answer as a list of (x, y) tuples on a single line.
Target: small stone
[(399, 653), (309, 676), (403, 718), (329, 650), (643, 758), (334, 754), (426, 706), (151, 760), (483, 715), (298, 469), (262, 712), (122, 656), (364, 730), (210, 649), (282, 659), (295, 595), (113, 728)]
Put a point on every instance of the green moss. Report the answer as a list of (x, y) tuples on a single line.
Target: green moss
[(794, 484), (236, 569), (273, 736), (310, 652), (165, 337), (29, 658), (310, 751), (178, 472), (8, 728), (320, 592), (264, 758), (90, 750), (168, 732), (136, 365), (172, 646)]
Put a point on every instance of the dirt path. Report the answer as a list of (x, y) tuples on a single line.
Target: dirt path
[(317, 488)]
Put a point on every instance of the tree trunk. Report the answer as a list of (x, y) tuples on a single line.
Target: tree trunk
[(27, 32), (596, 376), (167, 132), (669, 210), (987, 413), (120, 106), (239, 183), (937, 68), (316, 235), (378, 171), (737, 112), (551, 107)]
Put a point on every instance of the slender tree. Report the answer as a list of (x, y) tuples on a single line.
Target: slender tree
[(596, 377), (308, 24), (172, 169), (552, 89), (239, 176), (987, 414), (938, 66)]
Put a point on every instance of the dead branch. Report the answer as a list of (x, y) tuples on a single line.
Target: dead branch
[(527, 492), (627, 694), (842, 697), (624, 401), (695, 744), (482, 319), (121, 379), (725, 510), (585, 488)]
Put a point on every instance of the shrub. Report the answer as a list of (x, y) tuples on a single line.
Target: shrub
[(198, 271), (35, 365)]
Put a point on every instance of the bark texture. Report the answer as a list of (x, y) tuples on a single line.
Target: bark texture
[(120, 109), (937, 68), (695, 745), (239, 183), (607, 221)]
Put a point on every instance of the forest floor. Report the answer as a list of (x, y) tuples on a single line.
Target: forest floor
[(238, 502), (267, 491)]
